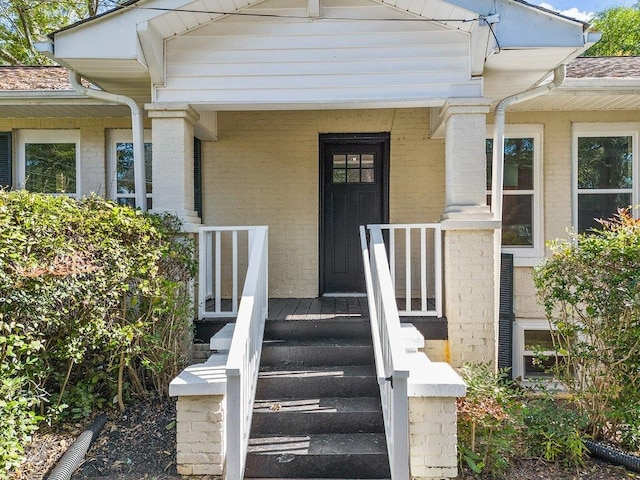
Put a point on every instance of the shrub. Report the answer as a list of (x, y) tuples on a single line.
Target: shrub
[(553, 430), (94, 301), (590, 289), (489, 420)]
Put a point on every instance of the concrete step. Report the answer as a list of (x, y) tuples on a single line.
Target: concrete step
[(308, 352), (317, 415), (342, 456), (317, 381)]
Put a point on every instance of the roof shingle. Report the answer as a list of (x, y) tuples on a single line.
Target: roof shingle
[(604, 67), (34, 78)]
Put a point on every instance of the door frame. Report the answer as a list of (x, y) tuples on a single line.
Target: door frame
[(382, 138)]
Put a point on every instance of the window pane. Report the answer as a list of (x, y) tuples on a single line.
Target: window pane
[(353, 176), (339, 161), (50, 167), (125, 170), (367, 175), (517, 220), (353, 161), (518, 163), (124, 166), (604, 162), (539, 367), (339, 176), (538, 339), (367, 160), (127, 201), (599, 205)]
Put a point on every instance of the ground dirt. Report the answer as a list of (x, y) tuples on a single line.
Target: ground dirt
[(140, 445)]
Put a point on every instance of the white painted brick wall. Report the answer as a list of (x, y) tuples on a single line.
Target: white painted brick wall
[(199, 435), (470, 281), (264, 170), (433, 437)]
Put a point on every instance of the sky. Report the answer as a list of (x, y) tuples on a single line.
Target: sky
[(582, 9)]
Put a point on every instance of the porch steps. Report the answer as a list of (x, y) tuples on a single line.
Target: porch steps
[(317, 412)]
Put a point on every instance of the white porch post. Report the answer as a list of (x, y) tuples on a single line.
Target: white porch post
[(172, 136), (471, 270)]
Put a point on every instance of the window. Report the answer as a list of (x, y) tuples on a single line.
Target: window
[(522, 233), (533, 351), (120, 170), (48, 161), (604, 171), (353, 168)]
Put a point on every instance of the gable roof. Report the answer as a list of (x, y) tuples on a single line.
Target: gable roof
[(132, 3)]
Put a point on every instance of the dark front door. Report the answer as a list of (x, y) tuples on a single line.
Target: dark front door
[(354, 191)]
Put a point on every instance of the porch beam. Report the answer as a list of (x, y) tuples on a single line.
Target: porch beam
[(152, 45)]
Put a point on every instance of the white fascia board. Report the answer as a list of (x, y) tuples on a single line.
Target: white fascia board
[(600, 86), (523, 26), (110, 36), (37, 97)]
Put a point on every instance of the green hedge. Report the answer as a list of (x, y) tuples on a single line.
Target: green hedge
[(94, 307)]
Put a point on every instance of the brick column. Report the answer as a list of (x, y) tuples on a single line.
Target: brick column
[(199, 435), (433, 438), (471, 260), (172, 136)]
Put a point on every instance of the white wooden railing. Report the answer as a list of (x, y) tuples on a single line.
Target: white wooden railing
[(421, 270), (390, 356), (223, 261), (244, 354)]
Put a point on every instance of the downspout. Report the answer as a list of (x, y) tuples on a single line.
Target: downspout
[(137, 128), (498, 135)]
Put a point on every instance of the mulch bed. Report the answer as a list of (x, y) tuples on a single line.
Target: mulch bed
[(536, 469), (140, 445)]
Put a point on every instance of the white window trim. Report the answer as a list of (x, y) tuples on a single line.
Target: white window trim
[(620, 129), (115, 136), (46, 136), (519, 326), (529, 256)]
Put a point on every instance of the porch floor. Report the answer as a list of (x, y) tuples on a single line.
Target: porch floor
[(325, 308), (320, 308)]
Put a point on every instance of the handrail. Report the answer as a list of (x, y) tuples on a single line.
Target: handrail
[(244, 354), (427, 261), (389, 352)]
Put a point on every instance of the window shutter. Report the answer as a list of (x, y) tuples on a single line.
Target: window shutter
[(506, 317), (197, 176), (5, 160)]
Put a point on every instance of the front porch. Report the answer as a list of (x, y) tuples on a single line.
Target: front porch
[(313, 352)]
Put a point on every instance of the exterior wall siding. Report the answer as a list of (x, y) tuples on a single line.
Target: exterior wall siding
[(264, 170), (332, 61)]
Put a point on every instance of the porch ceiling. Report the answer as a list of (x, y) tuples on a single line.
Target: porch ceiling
[(587, 95)]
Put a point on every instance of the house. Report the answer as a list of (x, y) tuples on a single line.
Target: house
[(313, 117)]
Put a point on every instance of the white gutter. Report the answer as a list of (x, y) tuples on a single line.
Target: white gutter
[(498, 135), (136, 126)]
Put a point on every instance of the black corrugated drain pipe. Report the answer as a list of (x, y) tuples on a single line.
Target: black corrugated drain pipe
[(74, 455), (613, 455)]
